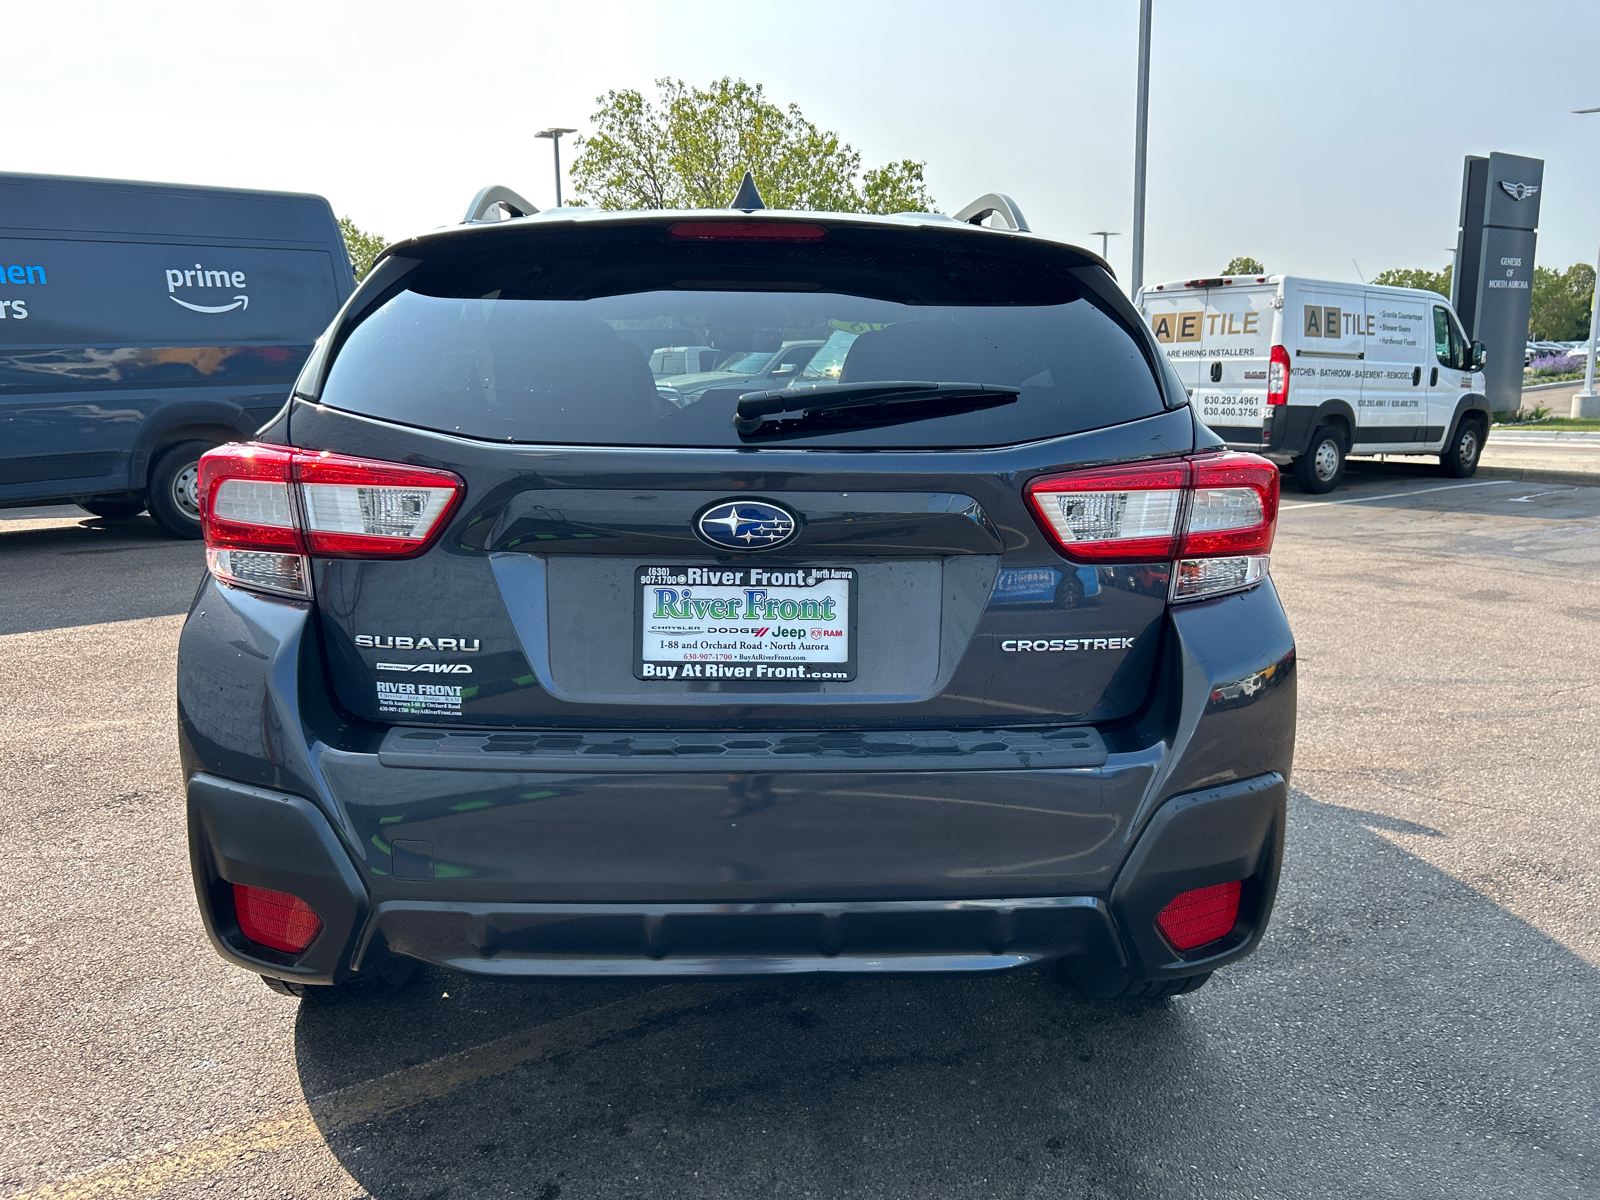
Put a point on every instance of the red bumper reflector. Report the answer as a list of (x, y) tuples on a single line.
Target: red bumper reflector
[(1200, 916), (276, 920)]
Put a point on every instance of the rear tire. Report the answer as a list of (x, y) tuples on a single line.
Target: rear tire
[(173, 498), (288, 987), (112, 510), (1460, 457), (1160, 989), (1321, 468), (380, 980), (1117, 986)]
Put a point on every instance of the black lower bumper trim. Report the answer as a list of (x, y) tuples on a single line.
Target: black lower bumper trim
[(872, 937), (898, 750)]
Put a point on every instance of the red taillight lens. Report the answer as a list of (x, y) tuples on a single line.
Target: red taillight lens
[(265, 509), (1129, 514), (276, 920), (1235, 506), (1201, 916), (1278, 376), (244, 499), (746, 231)]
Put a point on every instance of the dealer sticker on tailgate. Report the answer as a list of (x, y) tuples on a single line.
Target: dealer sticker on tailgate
[(763, 624)]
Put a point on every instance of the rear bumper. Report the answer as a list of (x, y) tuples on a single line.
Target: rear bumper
[(243, 834), (676, 859)]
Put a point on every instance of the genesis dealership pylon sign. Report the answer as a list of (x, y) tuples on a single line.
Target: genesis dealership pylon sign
[(1492, 289)]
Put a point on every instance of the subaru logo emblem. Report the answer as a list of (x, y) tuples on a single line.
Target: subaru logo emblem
[(746, 525)]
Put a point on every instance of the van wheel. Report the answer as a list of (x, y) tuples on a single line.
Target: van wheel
[(1321, 467), (112, 510), (174, 495), (1460, 459)]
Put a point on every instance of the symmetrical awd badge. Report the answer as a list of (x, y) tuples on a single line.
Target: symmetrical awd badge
[(746, 525)]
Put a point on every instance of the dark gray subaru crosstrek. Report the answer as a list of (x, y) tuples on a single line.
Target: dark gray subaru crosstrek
[(958, 653)]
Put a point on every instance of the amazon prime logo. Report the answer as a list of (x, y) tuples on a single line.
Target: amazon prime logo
[(1519, 191), (746, 525), (202, 277)]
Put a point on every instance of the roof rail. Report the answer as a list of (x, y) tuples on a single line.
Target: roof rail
[(492, 196), (995, 204)]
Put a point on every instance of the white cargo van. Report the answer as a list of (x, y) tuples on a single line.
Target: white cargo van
[(1307, 371)]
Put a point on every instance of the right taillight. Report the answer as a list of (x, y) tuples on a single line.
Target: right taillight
[(1212, 517), (266, 510), (1278, 376)]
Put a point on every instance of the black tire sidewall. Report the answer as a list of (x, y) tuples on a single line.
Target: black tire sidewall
[(1305, 470), (1451, 458), (158, 497)]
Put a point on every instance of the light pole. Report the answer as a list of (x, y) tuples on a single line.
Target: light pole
[(1141, 139), (554, 134), (1586, 403), (1105, 236)]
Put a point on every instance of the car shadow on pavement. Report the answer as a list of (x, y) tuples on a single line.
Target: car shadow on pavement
[(61, 576), (1398, 1034)]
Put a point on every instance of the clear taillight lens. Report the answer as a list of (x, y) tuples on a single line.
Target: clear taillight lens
[(358, 508), (1129, 514), (265, 510), (1213, 517)]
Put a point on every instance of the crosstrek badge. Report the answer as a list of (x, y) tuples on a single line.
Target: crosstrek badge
[(1044, 645)]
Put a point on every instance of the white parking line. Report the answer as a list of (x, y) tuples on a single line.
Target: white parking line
[(1446, 487), (1529, 499)]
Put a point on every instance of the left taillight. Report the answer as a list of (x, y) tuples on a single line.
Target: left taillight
[(267, 510)]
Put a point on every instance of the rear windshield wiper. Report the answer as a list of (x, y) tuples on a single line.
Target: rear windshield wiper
[(832, 398)]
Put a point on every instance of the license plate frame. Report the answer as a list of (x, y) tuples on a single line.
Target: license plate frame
[(728, 649)]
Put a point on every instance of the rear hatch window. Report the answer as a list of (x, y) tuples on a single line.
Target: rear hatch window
[(531, 335)]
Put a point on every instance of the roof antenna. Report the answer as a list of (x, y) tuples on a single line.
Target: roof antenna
[(747, 197)]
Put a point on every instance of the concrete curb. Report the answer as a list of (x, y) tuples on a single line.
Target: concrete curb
[(1540, 475)]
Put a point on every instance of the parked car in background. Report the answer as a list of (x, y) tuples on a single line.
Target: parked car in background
[(754, 370), (1308, 371), (142, 324), (685, 360)]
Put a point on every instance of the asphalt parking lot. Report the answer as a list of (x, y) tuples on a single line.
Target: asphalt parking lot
[(1419, 1021)]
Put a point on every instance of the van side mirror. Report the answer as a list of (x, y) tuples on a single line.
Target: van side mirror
[(1480, 355)]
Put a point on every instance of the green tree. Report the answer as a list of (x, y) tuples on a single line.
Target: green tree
[(691, 147), (1561, 302), (362, 247), (1243, 264), (1415, 277)]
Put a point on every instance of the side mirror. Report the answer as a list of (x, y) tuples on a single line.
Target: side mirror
[(786, 369), (1480, 355)]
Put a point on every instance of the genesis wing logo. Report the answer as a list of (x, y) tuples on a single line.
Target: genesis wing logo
[(1519, 191), (746, 525), (239, 302)]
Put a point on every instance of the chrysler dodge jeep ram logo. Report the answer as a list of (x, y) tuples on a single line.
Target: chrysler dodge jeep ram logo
[(745, 525)]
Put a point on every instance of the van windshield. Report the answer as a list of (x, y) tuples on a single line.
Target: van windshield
[(560, 352)]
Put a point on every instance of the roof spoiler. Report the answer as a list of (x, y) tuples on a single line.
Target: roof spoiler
[(495, 196), (994, 204)]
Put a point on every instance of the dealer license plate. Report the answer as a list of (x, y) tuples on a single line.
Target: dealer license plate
[(762, 624)]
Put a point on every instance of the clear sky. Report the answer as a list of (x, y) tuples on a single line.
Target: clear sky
[(1308, 135)]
